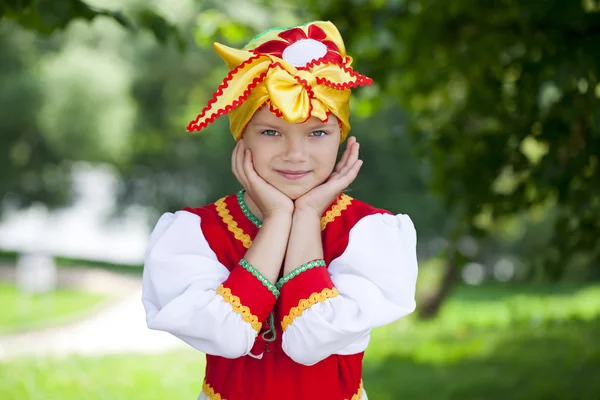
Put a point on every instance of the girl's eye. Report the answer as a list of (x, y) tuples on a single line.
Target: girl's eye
[(270, 132), (318, 133)]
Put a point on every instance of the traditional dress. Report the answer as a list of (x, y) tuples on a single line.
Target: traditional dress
[(303, 338), (195, 289)]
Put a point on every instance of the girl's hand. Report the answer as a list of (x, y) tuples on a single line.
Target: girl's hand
[(267, 198), (319, 198)]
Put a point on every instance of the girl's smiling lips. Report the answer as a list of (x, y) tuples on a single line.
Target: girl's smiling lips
[(292, 174)]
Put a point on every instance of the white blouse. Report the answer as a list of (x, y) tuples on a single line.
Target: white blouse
[(375, 277)]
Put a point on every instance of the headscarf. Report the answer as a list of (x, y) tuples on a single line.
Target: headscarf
[(298, 72)]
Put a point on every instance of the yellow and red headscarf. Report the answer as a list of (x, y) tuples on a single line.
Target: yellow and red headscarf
[(298, 72)]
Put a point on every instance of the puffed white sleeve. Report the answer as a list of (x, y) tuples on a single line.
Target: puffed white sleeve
[(331, 309), (187, 292)]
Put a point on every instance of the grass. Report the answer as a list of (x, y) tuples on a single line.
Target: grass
[(175, 375), (21, 311), (69, 262), (492, 342)]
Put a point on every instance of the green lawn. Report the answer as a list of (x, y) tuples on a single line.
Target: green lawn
[(489, 343), (20, 311)]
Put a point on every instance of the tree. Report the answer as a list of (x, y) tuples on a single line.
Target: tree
[(30, 169), (48, 16), (505, 104), (41, 137)]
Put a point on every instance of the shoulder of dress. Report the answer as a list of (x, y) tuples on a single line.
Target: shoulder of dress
[(361, 209), (210, 211), (340, 219)]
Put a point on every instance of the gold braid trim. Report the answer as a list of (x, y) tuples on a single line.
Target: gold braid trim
[(239, 308), (231, 224), (210, 392), (341, 205), (305, 304), (356, 396)]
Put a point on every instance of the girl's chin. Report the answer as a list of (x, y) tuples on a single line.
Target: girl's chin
[(294, 192)]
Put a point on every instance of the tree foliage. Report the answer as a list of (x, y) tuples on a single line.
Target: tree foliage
[(501, 98), (48, 16), (504, 99)]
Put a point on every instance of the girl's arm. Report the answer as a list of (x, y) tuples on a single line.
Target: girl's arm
[(331, 309), (190, 294)]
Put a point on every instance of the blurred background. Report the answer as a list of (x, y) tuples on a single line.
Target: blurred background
[(483, 125)]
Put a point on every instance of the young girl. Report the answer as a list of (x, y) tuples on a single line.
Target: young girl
[(281, 283)]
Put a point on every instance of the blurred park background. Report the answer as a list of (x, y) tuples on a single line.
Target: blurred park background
[(483, 125)]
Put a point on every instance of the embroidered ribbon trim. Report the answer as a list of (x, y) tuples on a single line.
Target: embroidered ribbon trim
[(239, 308), (304, 304), (341, 205), (257, 274), (210, 392), (358, 394), (298, 271), (232, 225), (246, 210)]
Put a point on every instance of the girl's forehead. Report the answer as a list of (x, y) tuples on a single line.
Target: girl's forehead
[(265, 116)]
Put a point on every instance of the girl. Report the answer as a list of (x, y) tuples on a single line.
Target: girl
[(281, 284)]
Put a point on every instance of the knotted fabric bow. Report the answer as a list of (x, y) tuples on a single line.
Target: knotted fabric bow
[(315, 88)]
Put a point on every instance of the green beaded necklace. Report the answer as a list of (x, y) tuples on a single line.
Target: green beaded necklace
[(246, 210)]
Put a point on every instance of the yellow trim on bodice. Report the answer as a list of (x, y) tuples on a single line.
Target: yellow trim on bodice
[(232, 225), (341, 205)]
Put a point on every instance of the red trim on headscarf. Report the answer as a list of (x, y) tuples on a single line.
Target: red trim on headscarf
[(361, 80), (193, 126), (306, 85), (274, 110)]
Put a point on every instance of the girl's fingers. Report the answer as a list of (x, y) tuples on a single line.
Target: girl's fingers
[(352, 157), (350, 175), (240, 166), (234, 156), (344, 159), (249, 171)]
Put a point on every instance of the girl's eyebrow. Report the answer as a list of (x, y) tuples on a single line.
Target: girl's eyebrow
[(266, 126), (322, 125)]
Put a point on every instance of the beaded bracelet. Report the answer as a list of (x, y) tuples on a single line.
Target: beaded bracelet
[(248, 267), (299, 270)]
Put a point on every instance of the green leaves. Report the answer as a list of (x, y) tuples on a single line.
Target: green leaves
[(503, 99), (48, 16)]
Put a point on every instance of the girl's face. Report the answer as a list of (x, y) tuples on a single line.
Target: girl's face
[(294, 158)]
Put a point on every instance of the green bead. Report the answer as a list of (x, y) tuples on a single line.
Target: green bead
[(247, 213)]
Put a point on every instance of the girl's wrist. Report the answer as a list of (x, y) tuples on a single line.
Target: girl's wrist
[(306, 213), (279, 216)]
